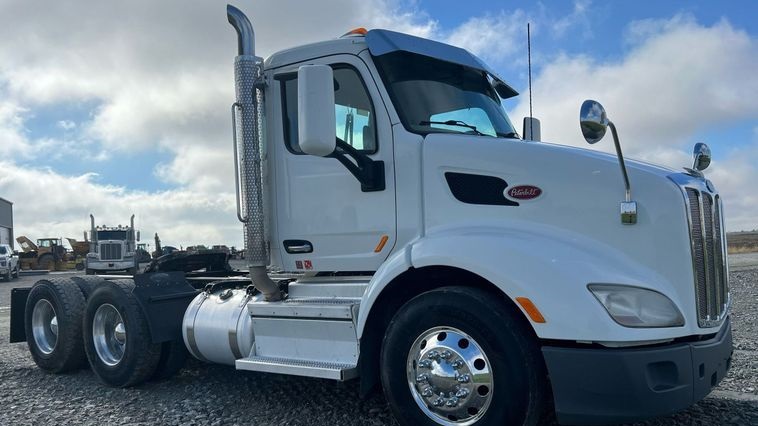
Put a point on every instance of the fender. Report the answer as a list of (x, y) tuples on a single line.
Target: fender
[(550, 266)]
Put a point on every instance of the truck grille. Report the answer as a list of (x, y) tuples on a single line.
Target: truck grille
[(110, 251), (711, 277)]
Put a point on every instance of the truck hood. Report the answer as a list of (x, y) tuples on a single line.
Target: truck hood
[(578, 201)]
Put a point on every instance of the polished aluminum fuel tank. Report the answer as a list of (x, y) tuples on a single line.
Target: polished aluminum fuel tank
[(217, 327)]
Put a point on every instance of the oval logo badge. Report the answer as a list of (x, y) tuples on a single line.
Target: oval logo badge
[(524, 192)]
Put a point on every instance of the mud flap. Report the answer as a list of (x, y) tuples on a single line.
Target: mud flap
[(18, 309), (164, 296)]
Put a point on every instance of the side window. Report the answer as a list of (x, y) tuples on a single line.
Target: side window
[(355, 121)]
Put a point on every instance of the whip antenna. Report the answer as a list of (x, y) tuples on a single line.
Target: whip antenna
[(529, 61)]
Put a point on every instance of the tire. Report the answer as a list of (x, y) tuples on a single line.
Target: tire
[(87, 284), (8, 275), (62, 351), (504, 379), (46, 262), (116, 364), (132, 271), (18, 271), (173, 357)]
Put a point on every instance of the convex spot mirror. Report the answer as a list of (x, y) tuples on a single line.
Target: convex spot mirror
[(702, 154), (593, 121), (316, 132)]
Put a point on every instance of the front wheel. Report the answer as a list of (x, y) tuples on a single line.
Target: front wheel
[(459, 356)]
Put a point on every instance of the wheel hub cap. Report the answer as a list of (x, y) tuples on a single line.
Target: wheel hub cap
[(449, 376), (109, 334), (44, 326)]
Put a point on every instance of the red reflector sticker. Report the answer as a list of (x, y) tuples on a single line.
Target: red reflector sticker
[(524, 192)]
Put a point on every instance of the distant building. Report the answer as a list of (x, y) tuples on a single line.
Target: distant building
[(6, 222)]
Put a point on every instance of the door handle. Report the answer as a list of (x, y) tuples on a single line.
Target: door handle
[(297, 246)]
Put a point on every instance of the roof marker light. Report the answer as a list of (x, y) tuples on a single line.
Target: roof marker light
[(356, 32)]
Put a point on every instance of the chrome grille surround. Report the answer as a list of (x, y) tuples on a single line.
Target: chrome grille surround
[(708, 243), (111, 251)]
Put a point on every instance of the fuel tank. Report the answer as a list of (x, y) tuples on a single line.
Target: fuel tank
[(217, 327)]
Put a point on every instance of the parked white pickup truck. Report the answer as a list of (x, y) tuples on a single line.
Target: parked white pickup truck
[(8, 263)]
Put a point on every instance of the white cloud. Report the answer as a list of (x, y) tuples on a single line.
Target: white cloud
[(678, 80), (495, 38), (179, 216), (66, 124)]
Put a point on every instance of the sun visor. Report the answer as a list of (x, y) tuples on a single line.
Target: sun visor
[(381, 42)]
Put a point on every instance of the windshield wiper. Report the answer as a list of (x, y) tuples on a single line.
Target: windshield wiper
[(511, 135), (452, 123)]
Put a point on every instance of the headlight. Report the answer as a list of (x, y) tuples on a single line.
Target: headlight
[(637, 307)]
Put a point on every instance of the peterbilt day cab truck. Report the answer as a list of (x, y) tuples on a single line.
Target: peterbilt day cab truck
[(478, 277), (112, 248)]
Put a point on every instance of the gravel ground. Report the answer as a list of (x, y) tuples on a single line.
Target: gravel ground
[(215, 395)]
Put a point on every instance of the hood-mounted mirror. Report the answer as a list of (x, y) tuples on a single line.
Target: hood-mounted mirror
[(594, 122)]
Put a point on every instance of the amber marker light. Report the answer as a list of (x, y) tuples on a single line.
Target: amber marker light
[(360, 31), (381, 244), (531, 310)]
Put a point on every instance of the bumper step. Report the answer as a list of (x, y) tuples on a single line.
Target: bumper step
[(295, 367)]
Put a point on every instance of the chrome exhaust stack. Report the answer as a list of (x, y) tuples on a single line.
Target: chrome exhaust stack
[(93, 235), (251, 208)]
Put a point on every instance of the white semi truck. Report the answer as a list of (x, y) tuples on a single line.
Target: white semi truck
[(112, 248), (478, 277)]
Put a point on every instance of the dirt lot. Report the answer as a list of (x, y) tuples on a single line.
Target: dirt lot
[(215, 395)]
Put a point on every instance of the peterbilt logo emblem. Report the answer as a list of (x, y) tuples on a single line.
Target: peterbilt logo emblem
[(524, 192)]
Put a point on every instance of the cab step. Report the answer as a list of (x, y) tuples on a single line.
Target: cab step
[(319, 369), (310, 307)]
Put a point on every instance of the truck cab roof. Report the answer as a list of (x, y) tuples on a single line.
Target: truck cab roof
[(346, 45)]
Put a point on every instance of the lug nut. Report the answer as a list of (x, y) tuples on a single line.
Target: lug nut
[(438, 402), (425, 363), (422, 378), (457, 364), (462, 393), (433, 354), (464, 378), (427, 391), (446, 355), (452, 402)]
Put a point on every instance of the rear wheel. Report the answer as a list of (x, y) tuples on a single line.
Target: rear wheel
[(87, 285), (458, 356), (116, 336), (53, 321), (8, 275), (15, 274), (46, 262)]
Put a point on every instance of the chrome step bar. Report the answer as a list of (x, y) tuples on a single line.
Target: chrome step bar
[(316, 308), (323, 370)]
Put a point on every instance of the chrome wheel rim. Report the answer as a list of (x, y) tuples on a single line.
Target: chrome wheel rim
[(109, 334), (44, 326), (450, 376)]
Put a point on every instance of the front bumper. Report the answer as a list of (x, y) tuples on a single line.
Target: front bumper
[(600, 386), (107, 265)]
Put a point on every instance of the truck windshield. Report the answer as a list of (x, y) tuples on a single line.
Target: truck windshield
[(434, 96), (111, 235)]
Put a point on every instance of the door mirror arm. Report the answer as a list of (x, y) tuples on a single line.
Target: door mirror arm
[(369, 172)]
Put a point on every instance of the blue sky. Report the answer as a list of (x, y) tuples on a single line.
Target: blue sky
[(128, 111)]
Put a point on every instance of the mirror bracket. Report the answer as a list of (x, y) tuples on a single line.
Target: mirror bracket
[(369, 172)]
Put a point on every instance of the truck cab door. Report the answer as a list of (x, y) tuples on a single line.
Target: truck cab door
[(324, 220)]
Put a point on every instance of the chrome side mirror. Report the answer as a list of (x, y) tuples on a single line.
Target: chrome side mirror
[(702, 154), (593, 121)]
